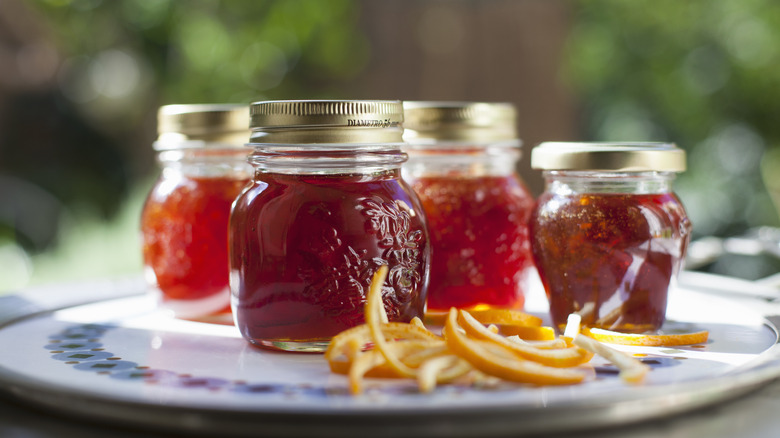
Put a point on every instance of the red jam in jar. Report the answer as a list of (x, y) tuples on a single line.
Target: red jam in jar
[(184, 221), (608, 234), (326, 208), (462, 159)]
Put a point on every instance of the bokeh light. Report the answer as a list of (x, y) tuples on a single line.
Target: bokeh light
[(80, 82)]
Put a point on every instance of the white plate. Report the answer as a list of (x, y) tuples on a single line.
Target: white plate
[(120, 359)]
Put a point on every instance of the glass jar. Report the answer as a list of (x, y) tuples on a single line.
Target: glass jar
[(608, 234), (326, 208), (185, 218), (462, 164)]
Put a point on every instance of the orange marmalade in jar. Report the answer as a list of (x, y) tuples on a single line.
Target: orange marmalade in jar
[(185, 218), (326, 208), (608, 234), (462, 164)]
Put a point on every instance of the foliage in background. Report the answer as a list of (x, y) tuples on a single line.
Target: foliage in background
[(703, 74), (217, 51), (124, 58), (700, 73)]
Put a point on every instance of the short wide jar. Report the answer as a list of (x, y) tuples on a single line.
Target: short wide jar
[(608, 234), (462, 164), (185, 218), (326, 208)]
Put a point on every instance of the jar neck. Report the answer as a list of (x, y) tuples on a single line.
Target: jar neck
[(462, 159), (206, 162), (569, 182), (327, 158)]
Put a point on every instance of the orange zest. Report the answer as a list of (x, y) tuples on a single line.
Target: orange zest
[(646, 340), (375, 316), (500, 317), (506, 317), (631, 370), (560, 358), (496, 360), (474, 349), (527, 332)]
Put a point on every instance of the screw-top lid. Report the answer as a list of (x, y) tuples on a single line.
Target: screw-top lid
[(459, 122), (617, 157), (327, 121), (202, 125)]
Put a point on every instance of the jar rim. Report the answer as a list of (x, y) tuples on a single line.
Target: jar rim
[(186, 126), (326, 121), (609, 156), (459, 121)]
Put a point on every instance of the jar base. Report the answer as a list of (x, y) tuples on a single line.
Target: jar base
[(292, 346)]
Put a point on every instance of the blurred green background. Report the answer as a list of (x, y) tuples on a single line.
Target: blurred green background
[(80, 82)]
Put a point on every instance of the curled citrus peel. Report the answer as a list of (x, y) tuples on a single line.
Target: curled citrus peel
[(475, 348), (472, 352), (646, 340), (631, 370), (529, 333), (503, 318), (375, 316), (497, 360), (507, 322), (560, 358)]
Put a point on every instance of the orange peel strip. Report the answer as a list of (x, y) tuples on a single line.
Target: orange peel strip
[(411, 352), (441, 369), (417, 322), (391, 330), (500, 317), (542, 345), (631, 370), (527, 332), (573, 326), (498, 361), (360, 366), (652, 340), (559, 358), (373, 314), (343, 363), (506, 317), (417, 358)]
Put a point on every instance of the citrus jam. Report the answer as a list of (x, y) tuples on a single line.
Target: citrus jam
[(478, 229), (608, 243), (306, 247), (185, 217), (184, 225), (327, 207), (462, 164), (610, 257)]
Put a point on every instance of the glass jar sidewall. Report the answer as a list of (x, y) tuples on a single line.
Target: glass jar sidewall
[(312, 251), (578, 193), (584, 182), (462, 159), (205, 163)]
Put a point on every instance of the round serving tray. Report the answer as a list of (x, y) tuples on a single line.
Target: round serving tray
[(119, 359)]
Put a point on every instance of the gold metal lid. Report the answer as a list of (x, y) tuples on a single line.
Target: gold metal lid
[(459, 122), (616, 157), (202, 125), (327, 121)]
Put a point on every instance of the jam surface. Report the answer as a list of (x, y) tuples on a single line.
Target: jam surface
[(184, 225), (479, 240), (609, 257), (304, 249)]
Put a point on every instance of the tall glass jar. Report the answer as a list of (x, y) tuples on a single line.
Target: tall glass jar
[(185, 218), (462, 164), (326, 208), (608, 234)]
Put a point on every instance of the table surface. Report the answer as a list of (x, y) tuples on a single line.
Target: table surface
[(754, 415)]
